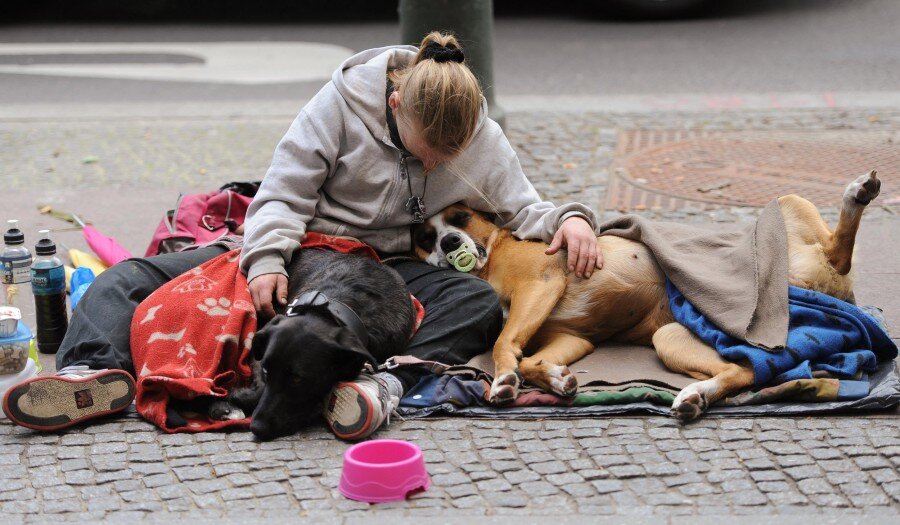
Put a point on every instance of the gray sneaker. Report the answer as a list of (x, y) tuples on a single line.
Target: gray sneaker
[(355, 409), (74, 395)]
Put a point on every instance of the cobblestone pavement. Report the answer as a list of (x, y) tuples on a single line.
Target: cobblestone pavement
[(630, 466), (639, 468)]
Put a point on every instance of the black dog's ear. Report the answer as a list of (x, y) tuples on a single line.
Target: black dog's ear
[(351, 351), (259, 345)]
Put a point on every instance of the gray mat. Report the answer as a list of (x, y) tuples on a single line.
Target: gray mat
[(884, 394), (613, 365)]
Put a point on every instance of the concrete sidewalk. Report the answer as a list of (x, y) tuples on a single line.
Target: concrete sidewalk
[(636, 468)]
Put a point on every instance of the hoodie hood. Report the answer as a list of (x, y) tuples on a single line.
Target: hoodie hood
[(362, 82)]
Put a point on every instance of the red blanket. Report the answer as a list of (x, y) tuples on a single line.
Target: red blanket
[(192, 336)]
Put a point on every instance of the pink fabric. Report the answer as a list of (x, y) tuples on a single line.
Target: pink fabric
[(201, 217)]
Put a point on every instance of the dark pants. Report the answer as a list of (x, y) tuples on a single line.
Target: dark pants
[(462, 313)]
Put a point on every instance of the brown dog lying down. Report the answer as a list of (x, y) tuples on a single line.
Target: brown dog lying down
[(556, 318)]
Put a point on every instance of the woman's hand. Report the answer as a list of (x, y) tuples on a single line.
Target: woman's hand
[(578, 237), (265, 287)]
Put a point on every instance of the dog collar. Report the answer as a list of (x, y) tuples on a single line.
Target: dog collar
[(345, 315)]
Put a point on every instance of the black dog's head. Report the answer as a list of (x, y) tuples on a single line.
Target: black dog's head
[(302, 358)]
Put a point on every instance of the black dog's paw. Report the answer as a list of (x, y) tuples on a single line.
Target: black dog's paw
[(245, 398), (223, 411)]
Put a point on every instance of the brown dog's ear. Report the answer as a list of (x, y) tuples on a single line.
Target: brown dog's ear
[(459, 218), (492, 217)]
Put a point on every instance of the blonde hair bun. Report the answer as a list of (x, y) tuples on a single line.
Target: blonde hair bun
[(439, 94)]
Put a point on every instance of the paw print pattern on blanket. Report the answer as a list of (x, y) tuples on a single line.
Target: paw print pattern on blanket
[(201, 283), (214, 307)]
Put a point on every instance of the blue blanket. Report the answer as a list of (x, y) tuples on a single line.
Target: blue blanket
[(825, 335)]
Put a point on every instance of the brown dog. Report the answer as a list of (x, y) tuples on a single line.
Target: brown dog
[(556, 318)]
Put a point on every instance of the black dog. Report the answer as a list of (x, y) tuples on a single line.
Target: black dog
[(344, 310)]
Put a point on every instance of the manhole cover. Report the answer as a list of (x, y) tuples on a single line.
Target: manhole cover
[(674, 169)]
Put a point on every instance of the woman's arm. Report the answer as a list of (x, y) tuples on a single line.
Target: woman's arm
[(507, 192), (284, 205)]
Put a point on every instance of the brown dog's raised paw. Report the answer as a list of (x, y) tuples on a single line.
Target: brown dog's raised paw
[(864, 189)]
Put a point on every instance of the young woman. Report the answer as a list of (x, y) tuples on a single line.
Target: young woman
[(396, 128)]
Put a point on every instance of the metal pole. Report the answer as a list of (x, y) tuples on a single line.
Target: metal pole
[(472, 21)]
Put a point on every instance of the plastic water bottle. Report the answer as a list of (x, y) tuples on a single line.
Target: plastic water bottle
[(15, 261), (48, 284)]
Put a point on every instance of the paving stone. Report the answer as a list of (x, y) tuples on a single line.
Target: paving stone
[(538, 488), (56, 506), (493, 485), (839, 478), (663, 469), (804, 472), (268, 489), (736, 485), (79, 477), (605, 486), (206, 486), (592, 474), (627, 471), (521, 476), (683, 479), (609, 460), (826, 453), (748, 498), (773, 486), (884, 475), (537, 457), (815, 486), (841, 465), (867, 501), (550, 467), (759, 464), (193, 473), (794, 460), (785, 497), (581, 490), (871, 462), (501, 499)]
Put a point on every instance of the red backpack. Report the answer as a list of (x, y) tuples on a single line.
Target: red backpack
[(202, 217)]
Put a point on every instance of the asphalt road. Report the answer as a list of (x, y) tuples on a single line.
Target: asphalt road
[(790, 46)]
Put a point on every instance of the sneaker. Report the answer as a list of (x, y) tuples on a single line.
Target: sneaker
[(75, 394), (356, 409)]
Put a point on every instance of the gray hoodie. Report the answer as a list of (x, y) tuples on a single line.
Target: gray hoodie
[(337, 172)]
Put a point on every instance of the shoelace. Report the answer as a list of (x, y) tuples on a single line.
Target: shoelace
[(76, 371), (387, 401)]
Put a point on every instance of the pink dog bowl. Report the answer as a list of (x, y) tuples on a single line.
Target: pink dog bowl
[(383, 470)]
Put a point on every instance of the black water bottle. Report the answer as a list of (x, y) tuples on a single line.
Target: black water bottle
[(48, 284)]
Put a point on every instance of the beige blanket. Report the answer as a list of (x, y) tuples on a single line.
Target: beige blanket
[(738, 279)]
